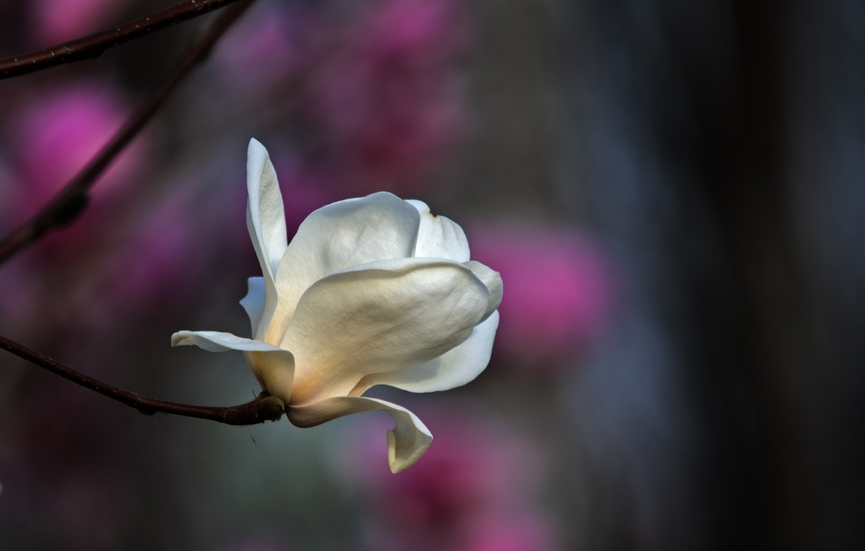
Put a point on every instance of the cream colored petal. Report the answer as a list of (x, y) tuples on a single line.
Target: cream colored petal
[(217, 341), (379, 318), (272, 366), (406, 442), (254, 301), (380, 226), (454, 368), (274, 370), (266, 212), (439, 237), (265, 219), (493, 281)]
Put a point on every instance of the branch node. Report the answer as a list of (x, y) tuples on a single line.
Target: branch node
[(271, 408), (70, 209)]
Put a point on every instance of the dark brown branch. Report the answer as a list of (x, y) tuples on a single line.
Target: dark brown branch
[(93, 45), (72, 199), (262, 408)]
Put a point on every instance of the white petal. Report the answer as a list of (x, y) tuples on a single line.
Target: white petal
[(274, 370), (454, 368), (272, 366), (380, 226), (265, 219), (439, 237), (493, 281), (254, 301), (266, 212), (378, 318), (406, 442), (217, 341)]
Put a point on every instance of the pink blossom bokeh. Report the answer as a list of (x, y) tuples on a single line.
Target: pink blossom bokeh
[(156, 262), (265, 48), (560, 290), (392, 99), (473, 489), (55, 21), (305, 188), (54, 134)]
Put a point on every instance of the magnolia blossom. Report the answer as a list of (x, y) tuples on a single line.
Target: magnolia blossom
[(370, 291)]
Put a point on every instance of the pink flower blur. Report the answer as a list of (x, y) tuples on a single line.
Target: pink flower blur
[(392, 99), (308, 189), (263, 48), (59, 132), (56, 21), (473, 481), (157, 263), (54, 135), (520, 533), (559, 290)]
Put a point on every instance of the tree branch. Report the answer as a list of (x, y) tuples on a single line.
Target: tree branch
[(262, 408), (93, 45), (73, 198)]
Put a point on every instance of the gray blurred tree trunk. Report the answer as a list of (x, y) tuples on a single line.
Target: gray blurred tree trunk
[(719, 148)]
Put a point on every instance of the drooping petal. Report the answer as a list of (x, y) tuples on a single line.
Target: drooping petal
[(265, 219), (348, 233), (493, 282), (378, 318), (438, 236), (254, 301), (272, 366), (406, 442), (452, 369)]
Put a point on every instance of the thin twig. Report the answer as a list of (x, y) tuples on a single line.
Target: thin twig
[(72, 199), (262, 408), (93, 45)]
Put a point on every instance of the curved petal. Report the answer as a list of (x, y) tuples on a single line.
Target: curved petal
[(439, 237), (272, 366), (378, 318), (254, 301), (217, 341), (406, 442), (454, 368), (348, 233), (274, 370), (265, 219), (493, 282), (266, 212)]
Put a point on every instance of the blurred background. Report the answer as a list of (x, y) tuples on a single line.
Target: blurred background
[(672, 191)]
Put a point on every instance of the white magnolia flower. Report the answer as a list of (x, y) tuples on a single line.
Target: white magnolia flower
[(370, 291)]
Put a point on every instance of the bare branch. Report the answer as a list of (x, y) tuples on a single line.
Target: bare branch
[(93, 45), (72, 199), (262, 408)]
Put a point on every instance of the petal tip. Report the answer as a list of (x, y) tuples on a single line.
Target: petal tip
[(255, 146), (257, 159), (399, 464), (179, 339)]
